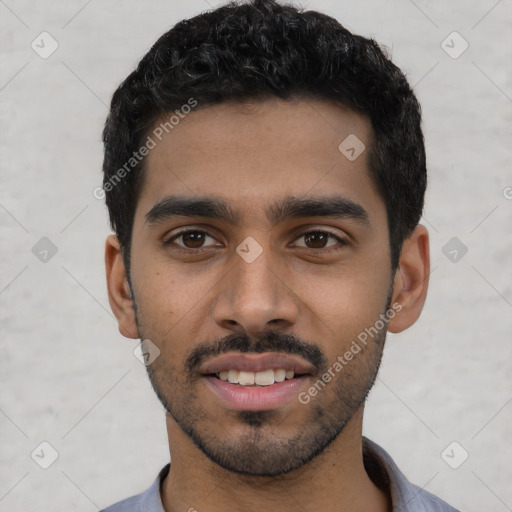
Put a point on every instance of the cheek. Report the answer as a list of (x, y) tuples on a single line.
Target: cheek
[(172, 304), (167, 289), (346, 303)]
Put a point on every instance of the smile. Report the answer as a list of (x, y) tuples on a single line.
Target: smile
[(263, 378)]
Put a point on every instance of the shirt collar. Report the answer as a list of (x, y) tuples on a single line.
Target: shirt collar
[(378, 463)]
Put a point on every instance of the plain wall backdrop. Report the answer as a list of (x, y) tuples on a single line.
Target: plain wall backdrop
[(69, 379)]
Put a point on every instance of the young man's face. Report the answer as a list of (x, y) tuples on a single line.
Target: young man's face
[(213, 293)]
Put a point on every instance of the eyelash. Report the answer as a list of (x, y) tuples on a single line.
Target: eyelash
[(328, 250)]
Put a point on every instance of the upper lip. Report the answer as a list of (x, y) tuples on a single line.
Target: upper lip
[(257, 363)]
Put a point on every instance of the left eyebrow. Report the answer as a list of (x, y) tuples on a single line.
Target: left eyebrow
[(333, 206), (288, 207)]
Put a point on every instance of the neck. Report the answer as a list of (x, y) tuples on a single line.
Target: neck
[(333, 481)]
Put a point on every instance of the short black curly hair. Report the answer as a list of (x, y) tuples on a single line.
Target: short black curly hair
[(260, 49)]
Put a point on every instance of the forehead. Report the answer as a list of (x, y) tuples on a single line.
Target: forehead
[(247, 153)]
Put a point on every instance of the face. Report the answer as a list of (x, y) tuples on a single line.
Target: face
[(279, 263)]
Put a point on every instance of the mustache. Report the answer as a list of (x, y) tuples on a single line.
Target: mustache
[(268, 341)]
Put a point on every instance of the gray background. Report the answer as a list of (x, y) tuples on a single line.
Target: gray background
[(69, 378)]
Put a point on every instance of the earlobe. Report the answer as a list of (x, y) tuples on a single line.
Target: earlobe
[(411, 280), (119, 292)]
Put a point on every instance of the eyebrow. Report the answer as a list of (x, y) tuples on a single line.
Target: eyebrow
[(289, 207)]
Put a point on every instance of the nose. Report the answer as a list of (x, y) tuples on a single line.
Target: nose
[(256, 296)]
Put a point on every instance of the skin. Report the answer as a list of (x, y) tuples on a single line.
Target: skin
[(252, 155)]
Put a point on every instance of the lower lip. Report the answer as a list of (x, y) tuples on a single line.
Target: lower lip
[(244, 398)]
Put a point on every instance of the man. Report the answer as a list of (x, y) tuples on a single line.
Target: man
[(265, 175)]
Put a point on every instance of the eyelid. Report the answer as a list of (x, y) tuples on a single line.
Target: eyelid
[(338, 238), (342, 242), (171, 239)]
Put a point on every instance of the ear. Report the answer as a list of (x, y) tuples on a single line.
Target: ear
[(411, 280), (119, 293)]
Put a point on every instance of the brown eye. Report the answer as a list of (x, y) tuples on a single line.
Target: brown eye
[(190, 239), (319, 239), (193, 239)]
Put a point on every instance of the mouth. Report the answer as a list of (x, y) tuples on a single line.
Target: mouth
[(256, 382), (255, 379)]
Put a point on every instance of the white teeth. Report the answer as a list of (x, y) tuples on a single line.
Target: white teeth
[(233, 376), (263, 378), (246, 378), (279, 375)]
